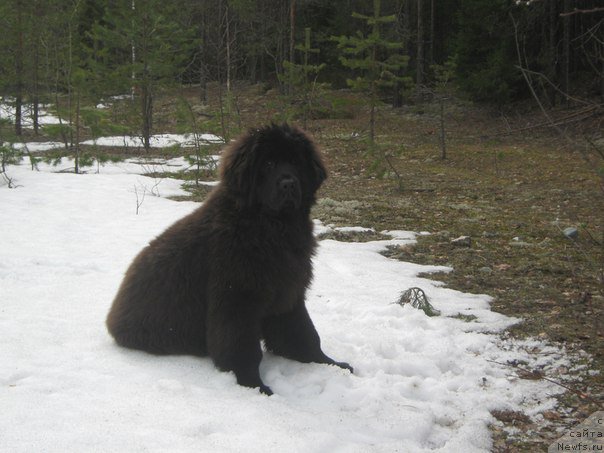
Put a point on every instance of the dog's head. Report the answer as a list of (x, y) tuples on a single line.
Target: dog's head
[(276, 168)]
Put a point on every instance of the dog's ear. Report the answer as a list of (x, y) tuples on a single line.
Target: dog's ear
[(318, 167), (236, 166)]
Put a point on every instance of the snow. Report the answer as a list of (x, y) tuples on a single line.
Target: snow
[(420, 383), (355, 229), (35, 147), (156, 141), (44, 117), (138, 165), (127, 141)]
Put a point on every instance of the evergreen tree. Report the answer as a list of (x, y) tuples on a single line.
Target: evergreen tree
[(139, 46), (302, 76), (486, 57), (16, 23), (378, 59), (443, 76)]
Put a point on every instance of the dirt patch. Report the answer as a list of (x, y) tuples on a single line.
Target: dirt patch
[(513, 195)]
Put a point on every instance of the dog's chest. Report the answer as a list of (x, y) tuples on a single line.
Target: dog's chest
[(290, 275)]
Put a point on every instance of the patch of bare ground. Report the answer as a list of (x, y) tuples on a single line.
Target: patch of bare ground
[(513, 194)]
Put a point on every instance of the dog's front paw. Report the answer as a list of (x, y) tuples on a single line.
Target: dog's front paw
[(345, 366)]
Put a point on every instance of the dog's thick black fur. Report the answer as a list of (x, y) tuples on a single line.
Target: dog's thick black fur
[(235, 271)]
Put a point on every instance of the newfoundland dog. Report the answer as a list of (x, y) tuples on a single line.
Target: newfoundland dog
[(235, 271)]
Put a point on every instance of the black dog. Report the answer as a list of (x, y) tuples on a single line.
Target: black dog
[(236, 270)]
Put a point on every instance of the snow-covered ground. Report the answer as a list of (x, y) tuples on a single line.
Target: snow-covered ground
[(7, 111), (36, 147), (134, 165), (420, 383), (128, 141), (157, 141)]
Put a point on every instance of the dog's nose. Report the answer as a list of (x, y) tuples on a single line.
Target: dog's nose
[(287, 184)]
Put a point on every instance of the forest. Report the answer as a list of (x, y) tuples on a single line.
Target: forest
[(398, 52)]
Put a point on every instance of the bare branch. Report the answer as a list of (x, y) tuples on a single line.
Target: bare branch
[(555, 87), (582, 11), (526, 73), (140, 201), (536, 374)]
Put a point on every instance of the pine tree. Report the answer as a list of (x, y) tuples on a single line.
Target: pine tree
[(302, 76), (443, 76), (486, 59), (139, 46), (16, 23), (378, 59)]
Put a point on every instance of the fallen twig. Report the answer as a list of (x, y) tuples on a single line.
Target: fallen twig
[(540, 375)]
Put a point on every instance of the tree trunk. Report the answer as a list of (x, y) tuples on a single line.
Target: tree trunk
[(76, 144), (69, 78), (553, 21), (19, 72), (443, 138), (283, 44), (307, 86), (431, 44), (223, 123), (419, 75), (147, 111), (407, 26), (133, 58), (404, 12), (228, 49), (292, 39), (602, 81), (373, 75), (566, 49), (35, 88), (292, 30), (203, 74)]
